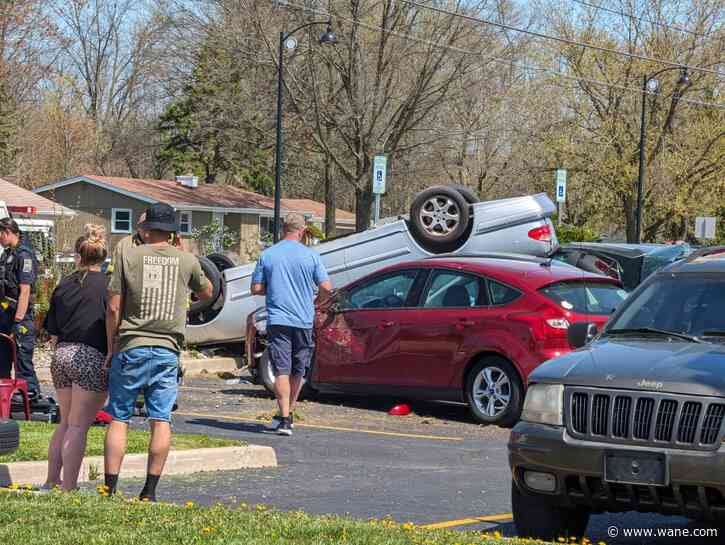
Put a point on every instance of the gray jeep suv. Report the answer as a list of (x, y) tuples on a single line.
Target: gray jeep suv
[(633, 421)]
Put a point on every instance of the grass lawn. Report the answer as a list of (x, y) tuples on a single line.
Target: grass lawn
[(35, 437), (72, 519)]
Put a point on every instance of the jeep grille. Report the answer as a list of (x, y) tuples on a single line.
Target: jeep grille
[(645, 418)]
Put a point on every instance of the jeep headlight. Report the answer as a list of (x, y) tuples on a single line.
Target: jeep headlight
[(544, 404)]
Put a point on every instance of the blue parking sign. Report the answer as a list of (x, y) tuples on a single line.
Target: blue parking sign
[(560, 185)]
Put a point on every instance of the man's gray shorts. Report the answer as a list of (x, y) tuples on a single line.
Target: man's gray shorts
[(290, 349)]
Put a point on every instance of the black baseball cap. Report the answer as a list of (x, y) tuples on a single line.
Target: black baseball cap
[(160, 217)]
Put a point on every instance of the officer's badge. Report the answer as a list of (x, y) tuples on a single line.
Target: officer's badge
[(27, 265)]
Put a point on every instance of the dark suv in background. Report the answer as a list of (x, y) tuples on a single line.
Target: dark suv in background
[(634, 420)]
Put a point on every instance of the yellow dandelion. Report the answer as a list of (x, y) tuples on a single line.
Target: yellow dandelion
[(497, 535), (190, 504)]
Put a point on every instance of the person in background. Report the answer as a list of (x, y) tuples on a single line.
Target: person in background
[(18, 271), (145, 324), (76, 322), (289, 274)]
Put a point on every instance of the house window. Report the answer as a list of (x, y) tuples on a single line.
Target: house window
[(185, 223), (266, 224), (121, 220)]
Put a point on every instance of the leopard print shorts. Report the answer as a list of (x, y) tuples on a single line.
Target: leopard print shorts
[(79, 364)]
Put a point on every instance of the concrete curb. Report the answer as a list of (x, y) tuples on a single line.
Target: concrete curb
[(134, 465), (195, 366)]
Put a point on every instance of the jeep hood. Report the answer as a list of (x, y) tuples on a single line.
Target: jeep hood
[(660, 365)]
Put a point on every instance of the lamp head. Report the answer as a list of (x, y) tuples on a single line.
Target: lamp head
[(328, 37)]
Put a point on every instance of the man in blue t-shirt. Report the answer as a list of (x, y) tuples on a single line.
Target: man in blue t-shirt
[(289, 274)]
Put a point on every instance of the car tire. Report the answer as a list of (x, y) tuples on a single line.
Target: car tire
[(466, 193), (428, 222), (221, 261), (266, 378), (494, 374), (535, 518), (9, 436), (212, 273)]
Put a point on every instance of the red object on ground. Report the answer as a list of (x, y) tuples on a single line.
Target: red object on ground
[(102, 417), (400, 410)]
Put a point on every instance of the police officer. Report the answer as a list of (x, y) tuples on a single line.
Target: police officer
[(18, 269)]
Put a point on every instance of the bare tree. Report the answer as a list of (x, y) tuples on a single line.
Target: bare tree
[(603, 104), (111, 51)]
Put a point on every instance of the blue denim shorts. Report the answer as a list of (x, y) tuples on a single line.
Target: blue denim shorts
[(150, 370)]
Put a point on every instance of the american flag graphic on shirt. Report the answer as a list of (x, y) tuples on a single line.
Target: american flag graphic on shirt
[(160, 281)]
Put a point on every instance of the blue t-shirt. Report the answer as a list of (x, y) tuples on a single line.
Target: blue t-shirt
[(291, 273)]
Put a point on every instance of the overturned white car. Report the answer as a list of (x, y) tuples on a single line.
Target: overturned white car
[(443, 219)]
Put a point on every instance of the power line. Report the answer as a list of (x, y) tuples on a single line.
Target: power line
[(508, 62), (558, 39), (642, 19)]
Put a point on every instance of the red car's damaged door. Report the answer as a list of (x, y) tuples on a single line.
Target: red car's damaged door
[(357, 337)]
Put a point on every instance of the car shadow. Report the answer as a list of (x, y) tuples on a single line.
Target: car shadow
[(441, 410)]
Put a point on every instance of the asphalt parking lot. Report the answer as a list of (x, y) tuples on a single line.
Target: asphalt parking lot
[(349, 457)]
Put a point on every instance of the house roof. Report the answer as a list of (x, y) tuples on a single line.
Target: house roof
[(205, 197), (14, 195)]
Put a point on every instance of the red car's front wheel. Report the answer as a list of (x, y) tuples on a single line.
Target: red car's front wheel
[(494, 392)]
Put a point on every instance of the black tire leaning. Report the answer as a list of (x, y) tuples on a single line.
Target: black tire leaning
[(221, 261), (466, 193), (512, 413), (535, 518), (9, 436), (426, 228), (212, 273)]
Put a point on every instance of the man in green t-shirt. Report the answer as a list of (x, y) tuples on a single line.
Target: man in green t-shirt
[(145, 324)]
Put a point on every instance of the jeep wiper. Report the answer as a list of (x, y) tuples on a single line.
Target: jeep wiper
[(654, 331)]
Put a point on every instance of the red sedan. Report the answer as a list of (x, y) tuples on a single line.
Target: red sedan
[(459, 329)]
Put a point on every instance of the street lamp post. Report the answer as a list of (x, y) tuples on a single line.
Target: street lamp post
[(649, 84), (328, 37)]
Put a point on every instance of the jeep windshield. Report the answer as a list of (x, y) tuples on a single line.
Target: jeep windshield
[(691, 307)]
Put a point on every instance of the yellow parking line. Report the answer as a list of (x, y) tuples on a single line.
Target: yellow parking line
[(331, 428), (504, 517)]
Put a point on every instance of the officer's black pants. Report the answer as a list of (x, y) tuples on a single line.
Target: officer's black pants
[(25, 342)]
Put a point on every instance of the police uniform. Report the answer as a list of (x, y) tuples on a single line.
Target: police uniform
[(19, 266)]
